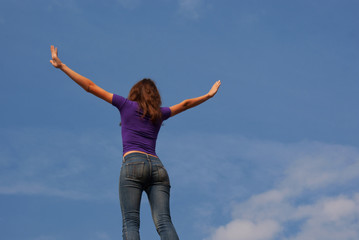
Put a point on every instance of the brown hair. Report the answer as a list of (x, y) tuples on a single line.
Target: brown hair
[(146, 94)]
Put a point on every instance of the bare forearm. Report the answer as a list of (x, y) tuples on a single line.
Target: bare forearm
[(190, 103), (84, 82)]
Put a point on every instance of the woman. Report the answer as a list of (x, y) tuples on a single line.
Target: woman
[(142, 170)]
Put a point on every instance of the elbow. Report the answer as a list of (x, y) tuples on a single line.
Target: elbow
[(89, 87), (186, 104)]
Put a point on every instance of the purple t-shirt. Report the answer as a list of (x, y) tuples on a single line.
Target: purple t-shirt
[(138, 134)]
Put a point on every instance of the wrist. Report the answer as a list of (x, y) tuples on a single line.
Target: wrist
[(62, 66)]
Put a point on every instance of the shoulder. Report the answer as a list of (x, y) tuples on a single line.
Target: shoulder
[(166, 113), (118, 101)]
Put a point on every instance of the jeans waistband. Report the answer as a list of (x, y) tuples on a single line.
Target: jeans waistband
[(139, 155)]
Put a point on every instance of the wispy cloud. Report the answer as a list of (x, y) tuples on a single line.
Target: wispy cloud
[(59, 163), (243, 229), (191, 8), (71, 5), (102, 236), (272, 190), (41, 189), (269, 190), (272, 216), (188, 8)]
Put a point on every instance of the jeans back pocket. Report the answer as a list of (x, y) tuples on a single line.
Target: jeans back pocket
[(134, 170)]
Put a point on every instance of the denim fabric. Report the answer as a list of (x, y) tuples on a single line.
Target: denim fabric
[(141, 172)]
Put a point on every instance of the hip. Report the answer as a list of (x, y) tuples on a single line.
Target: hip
[(145, 168)]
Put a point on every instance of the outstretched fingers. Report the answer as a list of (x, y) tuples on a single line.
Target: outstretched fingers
[(214, 88), (217, 84), (52, 49), (53, 52), (56, 62)]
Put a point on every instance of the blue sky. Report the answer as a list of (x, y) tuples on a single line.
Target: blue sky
[(275, 155)]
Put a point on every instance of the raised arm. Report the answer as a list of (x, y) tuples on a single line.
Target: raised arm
[(190, 103), (84, 82)]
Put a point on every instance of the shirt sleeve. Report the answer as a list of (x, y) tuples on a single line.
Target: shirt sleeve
[(118, 101), (166, 113)]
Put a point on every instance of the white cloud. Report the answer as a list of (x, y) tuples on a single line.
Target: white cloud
[(308, 196), (330, 209), (327, 164), (259, 182), (326, 218), (269, 190), (247, 230), (335, 209), (330, 218)]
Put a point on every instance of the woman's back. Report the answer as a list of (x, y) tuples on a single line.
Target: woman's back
[(138, 133)]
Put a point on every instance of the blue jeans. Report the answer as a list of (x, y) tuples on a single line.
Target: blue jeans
[(141, 172)]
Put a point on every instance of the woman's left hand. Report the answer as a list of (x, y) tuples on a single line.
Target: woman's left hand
[(56, 62), (214, 88)]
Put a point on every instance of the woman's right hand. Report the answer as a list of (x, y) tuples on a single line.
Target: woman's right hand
[(214, 88), (56, 62)]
